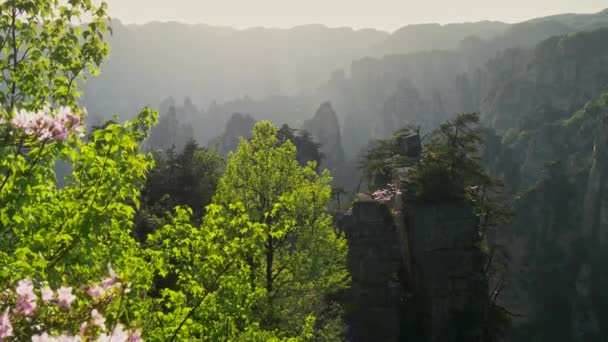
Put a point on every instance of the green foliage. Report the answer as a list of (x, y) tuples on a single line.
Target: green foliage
[(45, 53), (66, 235), (381, 158), (450, 169), (510, 136), (212, 298), (591, 110), (302, 259), (450, 164), (69, 234)]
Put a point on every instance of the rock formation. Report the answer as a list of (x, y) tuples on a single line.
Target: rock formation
[(417, 269), (170, 131), (325, 130), (239, 125)]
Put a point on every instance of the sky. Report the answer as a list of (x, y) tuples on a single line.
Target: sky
[(381, 14)]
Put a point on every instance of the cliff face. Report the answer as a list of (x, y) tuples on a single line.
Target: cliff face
[(374, 262), (554, 80), (417, 269), (557, 244)]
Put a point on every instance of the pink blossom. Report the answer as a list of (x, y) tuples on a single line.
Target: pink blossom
[(61, 338), (44, 337), (60, 133), (26, 303), (65, 297), (386, 195), (135, 336), (47, 294), (98, 319), (118, 334), (44, 126), (95, 291), (112, 281), (6, 328), (83, 328), (23, 120), (25, 287)]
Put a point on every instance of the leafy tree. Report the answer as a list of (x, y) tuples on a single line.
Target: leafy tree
[(450, 165), (302, 262), (381, 157)]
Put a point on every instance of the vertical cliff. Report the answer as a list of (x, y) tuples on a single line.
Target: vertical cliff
[(418, 270)]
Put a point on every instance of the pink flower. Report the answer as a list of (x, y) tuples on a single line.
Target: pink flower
[(65, 297), (61, 338), (95, 291), (6, 329), (135, 336), (83, 328), (41, 338), (25, 287), (112, 281), (22, 120), (98, 319), (386, 195), (47, 294), (26, 303), (118, 334), (60, 133), (44, 126)]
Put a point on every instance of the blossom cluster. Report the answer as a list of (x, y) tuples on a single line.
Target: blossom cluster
[(386, 195), (44, 126), (26, 301)]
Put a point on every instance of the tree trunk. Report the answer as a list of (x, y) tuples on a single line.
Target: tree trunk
[(269, 261)]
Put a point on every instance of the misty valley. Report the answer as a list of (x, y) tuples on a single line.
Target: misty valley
[(172, 181)]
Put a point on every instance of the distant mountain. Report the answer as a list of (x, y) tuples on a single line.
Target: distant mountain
[(579, 22), (284, 74), (153, 61), (415, 38)]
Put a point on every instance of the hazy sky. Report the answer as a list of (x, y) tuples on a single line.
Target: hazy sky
[(382, 14)]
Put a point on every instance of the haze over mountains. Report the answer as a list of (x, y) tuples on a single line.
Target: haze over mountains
[(220, 64)]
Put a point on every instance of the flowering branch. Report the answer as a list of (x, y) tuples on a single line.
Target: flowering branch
[(26, 310), (386, 195)]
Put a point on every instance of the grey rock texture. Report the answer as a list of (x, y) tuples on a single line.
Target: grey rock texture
[(325, 130), (417, 269)]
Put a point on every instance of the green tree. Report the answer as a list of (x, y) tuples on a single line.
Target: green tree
[(382, 157), (302, 263)]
